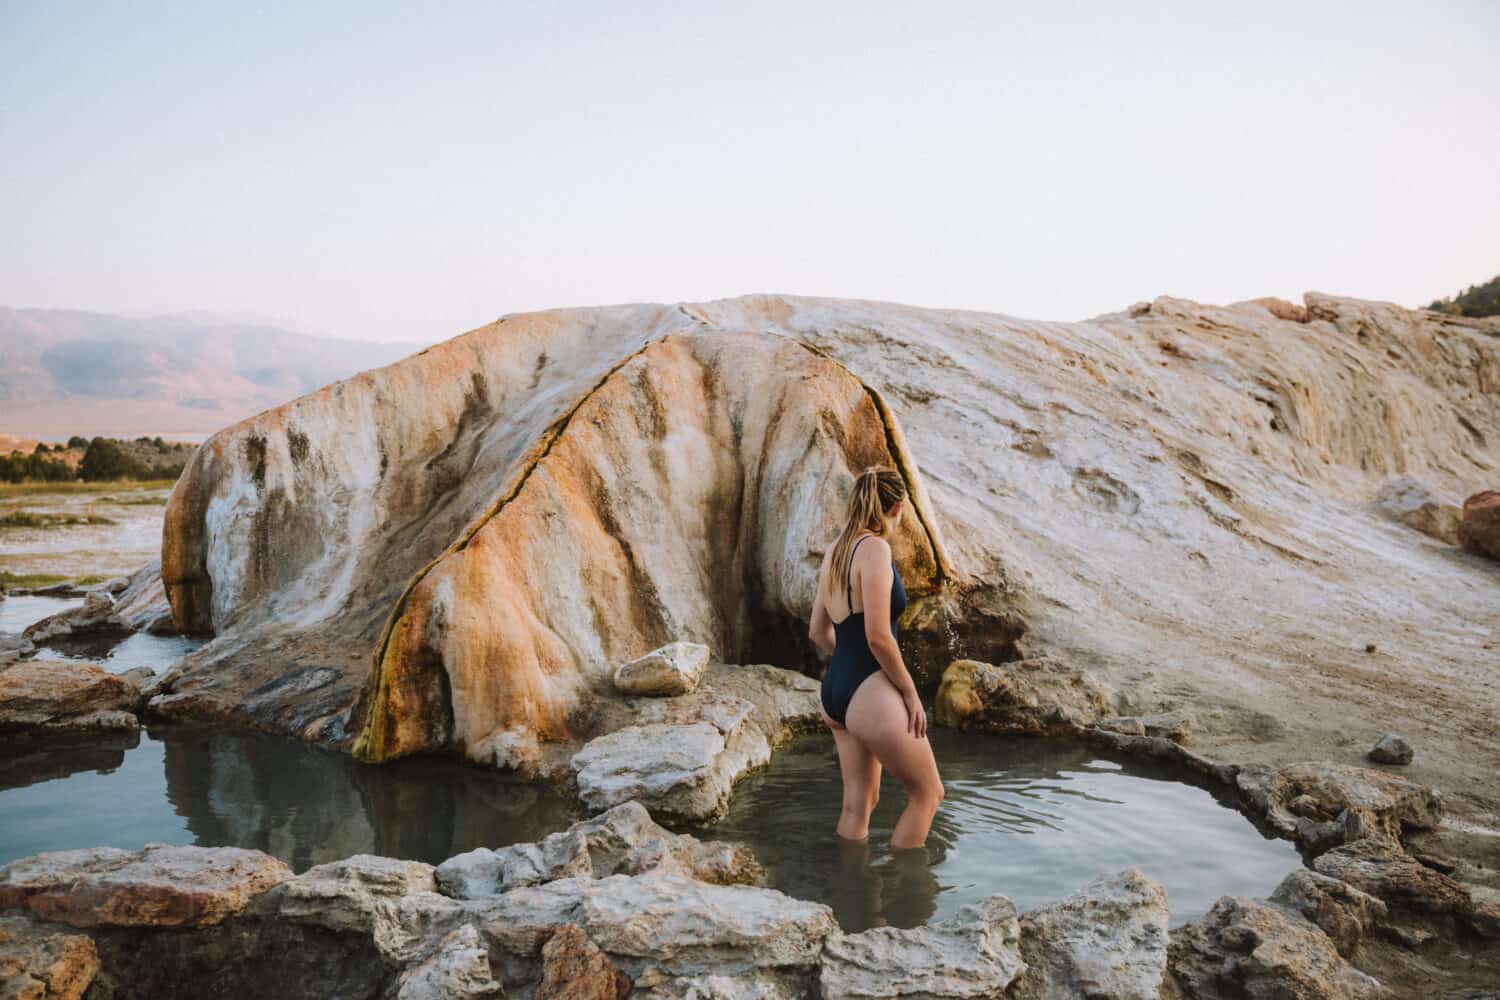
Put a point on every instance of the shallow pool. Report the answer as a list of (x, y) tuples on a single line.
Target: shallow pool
[(1034, 819), (116, 652), (1031, 818)]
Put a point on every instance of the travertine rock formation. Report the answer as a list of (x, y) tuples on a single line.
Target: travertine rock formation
[(1176, 499)]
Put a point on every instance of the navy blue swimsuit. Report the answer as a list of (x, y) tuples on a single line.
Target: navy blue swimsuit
[(852, 659)]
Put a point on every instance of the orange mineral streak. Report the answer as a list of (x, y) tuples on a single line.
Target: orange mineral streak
[(660, 506)]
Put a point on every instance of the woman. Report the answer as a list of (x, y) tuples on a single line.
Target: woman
[(869, 699)]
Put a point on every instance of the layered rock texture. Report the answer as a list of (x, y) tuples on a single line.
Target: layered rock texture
[(1179, 499)]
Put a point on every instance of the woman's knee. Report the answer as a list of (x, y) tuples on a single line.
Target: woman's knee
[(927, 793)]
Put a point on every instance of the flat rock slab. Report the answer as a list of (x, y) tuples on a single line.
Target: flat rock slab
[(975, 954), (42, 700), (160, 886)]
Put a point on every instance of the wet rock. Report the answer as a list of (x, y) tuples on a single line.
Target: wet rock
[(1391, 749), (683, 770), (1343, 912), (457, 970), (1108, 939), (1479, 527), (1251, 948), (13, 646), (573, 968), (142, 605), (1408, 501), (47, 701), (1338, 803), (1039, 695), (96, 615), (675, 668), (621, 840), (44, 963), (974, 954), (395, 903), (160, 886)]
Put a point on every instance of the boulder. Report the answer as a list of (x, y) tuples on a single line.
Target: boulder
[(1322, 805), (1343, 912), (142, 605), (159, 886), (573, 968), (47, 701), (1479, 526), (1039, 695), (1252, 948), (1408, 501), (621, 840), (39, 962), (974, 954), (1391, 749), (1108, 939), (675, 668)]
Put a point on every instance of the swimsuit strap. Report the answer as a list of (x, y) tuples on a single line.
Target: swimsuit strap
[(849, 575)]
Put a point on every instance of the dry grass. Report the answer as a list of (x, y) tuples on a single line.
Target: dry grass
[(116, 489)]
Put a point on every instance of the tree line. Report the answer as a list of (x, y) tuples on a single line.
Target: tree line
[(1476, 300), (104, 459)]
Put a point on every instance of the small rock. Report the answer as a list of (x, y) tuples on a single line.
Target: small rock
[(975, 954), (13, 646), (1359, 802), (95, 615), (1408, 501), (1479, 526), (1369, 647), (674, 669), (573, 968), (1391, 749), (38, 962)]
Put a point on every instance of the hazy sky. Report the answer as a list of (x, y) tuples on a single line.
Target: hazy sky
[(409, 172)]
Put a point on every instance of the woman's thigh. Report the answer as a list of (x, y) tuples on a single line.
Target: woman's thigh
[(877, 718)]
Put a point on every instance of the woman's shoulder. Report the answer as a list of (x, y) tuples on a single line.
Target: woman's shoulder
[(874, 547)]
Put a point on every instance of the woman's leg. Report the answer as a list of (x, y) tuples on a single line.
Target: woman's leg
[(861, 773), (877, 719)]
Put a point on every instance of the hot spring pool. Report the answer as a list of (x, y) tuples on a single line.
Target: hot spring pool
[(1034, 819)]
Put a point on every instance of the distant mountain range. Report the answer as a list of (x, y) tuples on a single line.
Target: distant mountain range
[(65, 372)]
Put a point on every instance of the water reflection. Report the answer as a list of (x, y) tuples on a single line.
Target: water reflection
[(1033, 819), (303, 805)]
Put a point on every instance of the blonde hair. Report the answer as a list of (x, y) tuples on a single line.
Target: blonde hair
[(876, 490)]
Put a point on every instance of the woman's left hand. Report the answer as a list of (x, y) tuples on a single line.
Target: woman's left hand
[(916, 715)]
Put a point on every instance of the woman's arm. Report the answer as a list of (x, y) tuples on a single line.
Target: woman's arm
[(875, 581), (820, 629)]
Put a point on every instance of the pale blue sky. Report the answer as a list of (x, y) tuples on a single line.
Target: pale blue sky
[(409, 172)]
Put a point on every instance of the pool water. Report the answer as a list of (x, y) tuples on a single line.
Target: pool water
[(299, 803), (1032, 818), (116, 652)]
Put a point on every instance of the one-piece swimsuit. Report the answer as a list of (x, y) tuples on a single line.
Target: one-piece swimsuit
[(853, 661)]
